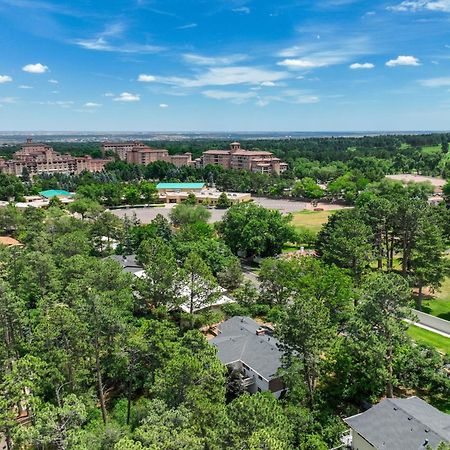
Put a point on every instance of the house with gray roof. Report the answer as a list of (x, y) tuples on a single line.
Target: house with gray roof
[(129, 263), (245, 345), (399, 424)]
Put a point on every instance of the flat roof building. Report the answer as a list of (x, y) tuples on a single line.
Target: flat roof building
[(180, 187)]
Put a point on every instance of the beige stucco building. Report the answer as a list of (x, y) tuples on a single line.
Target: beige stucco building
[(239, 159), (139, 153), (37, 158)]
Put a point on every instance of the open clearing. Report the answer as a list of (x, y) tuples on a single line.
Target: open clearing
[(439, 306), (425, 337), (311, 220)]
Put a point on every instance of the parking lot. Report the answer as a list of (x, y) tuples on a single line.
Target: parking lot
[(146, 215)]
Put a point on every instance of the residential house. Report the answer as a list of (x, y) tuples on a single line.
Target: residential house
[(245, 345), (399, 424), (131, 265)]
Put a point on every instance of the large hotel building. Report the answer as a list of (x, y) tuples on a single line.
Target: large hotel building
[(235, 158), (39, 158), (239, 159), (139, 153)]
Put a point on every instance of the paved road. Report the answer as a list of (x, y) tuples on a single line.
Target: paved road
[(248, 273), (426, 321), (433, 323)]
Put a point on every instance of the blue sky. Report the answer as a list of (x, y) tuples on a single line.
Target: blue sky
[(217, 65)]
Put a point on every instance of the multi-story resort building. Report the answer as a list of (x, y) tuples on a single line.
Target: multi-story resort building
[(240, 159), (139, 153), (37, 158), (234, 158)]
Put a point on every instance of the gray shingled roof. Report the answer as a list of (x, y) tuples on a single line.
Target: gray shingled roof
[(238, 341), (128, 263), (402, 424)]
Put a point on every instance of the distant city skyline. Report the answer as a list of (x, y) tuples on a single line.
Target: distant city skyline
[(225, 65)]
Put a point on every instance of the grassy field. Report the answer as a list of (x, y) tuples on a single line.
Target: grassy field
[(431, 149), (439, 305), (425, 337), (311, 220)]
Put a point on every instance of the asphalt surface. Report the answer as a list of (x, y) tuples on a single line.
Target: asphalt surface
[(433, 323), (146, 215)]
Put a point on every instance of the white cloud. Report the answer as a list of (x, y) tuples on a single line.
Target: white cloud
[(104, 41), (307, 99), (61, 103), (302, 63), (242, 10), (163, 105), (213, 60), (9, 100), (53, 81), (108, 94), (436, 82), (146, 78), (25, 86), (225, 76), (101, 44), (403, 61), (233, 96), (5, 79), (35, 68), (357, 66), (92, 105), (418, 5), (268, 84), (187, 26), (262, 103), (322, 53), (127, 97)]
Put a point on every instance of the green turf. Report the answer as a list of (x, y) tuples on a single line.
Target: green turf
[(311, 220), (439, 305), (425, 337), (431, 149)]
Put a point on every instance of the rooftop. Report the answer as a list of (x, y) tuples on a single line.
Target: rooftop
[(9, 241), (180, 186), (55, 193), (128, 263), (402, 424), (217, 152), (238, 341)]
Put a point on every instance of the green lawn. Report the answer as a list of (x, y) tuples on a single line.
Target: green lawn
[(431, 149), (311, 220), (439, 305), (425, 337)]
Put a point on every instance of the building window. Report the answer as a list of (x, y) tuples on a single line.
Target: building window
[(245, 366), (260, 377), (259, 390)]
